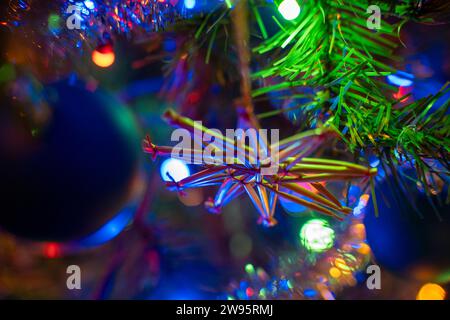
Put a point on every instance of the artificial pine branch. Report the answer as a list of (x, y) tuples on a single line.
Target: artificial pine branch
[(330, 49)]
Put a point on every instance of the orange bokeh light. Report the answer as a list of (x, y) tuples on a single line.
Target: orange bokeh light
[(103, 58), (431, 291)]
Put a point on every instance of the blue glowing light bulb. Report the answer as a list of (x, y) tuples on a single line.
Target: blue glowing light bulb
[(174, 169), (401, 79)]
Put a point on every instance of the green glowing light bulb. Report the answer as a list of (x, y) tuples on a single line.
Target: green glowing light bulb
[(250, 269), (316, 235)]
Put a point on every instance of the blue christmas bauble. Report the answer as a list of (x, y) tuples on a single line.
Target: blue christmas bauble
[(76, 173), (409, 237)]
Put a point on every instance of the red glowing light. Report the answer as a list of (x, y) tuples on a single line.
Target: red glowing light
[(52, 250), (402, 92), (249, 292), (193, 97)]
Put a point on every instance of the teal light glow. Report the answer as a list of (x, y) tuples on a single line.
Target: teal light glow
[(289, 9), (89, 4), (189, 4), (316, 235)]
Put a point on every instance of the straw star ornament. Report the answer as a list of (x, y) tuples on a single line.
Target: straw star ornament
[(263, 171)]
